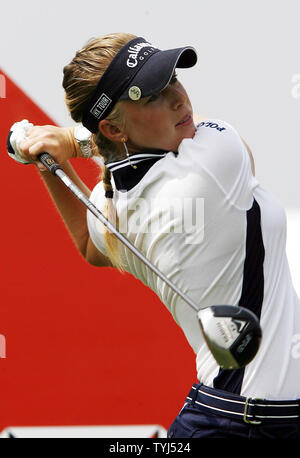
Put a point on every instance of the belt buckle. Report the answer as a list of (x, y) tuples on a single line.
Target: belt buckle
[(251, 422)]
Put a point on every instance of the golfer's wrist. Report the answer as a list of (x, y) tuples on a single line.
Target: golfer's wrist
[(75, 146), (83, 142)]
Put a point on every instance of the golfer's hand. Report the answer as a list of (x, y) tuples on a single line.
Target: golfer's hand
[(57, 141), (17, 133)]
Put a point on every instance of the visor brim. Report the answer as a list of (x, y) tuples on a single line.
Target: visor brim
[(157, 72)]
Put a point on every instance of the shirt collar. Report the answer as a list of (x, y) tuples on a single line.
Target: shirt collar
[(128, 172)]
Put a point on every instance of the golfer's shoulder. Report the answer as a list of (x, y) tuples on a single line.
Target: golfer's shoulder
[(219, 139), (215, 142)]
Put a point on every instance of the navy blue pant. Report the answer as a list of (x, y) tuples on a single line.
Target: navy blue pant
[(192, 423)]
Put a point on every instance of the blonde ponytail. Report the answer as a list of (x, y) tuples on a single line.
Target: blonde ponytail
[(113, 248)]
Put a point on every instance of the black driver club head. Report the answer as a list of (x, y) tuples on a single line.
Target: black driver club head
[(232, 333)]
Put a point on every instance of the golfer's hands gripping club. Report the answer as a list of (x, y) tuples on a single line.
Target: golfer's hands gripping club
[(27, 142)]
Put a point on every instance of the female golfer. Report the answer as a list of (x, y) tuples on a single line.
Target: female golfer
[(187, 197)]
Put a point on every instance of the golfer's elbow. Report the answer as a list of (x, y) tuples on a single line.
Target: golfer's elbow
[(94, 257), (99, 261)]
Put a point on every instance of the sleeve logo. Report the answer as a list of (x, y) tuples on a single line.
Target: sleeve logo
[(212, 125)]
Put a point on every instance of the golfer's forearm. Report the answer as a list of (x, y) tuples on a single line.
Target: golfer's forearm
[(70, 208)]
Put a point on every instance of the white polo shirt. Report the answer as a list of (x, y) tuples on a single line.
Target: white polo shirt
[(203, 219)]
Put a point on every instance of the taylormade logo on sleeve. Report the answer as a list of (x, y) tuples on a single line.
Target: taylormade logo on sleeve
[(134, 53)]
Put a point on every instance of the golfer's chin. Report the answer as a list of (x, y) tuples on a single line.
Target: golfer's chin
[(189, 133)]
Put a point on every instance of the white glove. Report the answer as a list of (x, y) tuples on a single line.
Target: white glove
[(18, 133)]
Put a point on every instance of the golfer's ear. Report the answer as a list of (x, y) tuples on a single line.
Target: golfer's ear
[(110, 131)]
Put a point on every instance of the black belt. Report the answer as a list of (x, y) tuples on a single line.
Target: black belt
[(249, 410)]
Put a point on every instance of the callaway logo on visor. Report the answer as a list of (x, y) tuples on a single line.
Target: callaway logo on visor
[(134, 53)]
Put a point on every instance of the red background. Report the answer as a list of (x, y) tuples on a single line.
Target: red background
[(84, 345)]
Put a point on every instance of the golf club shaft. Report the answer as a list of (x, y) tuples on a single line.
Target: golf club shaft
[(56, 170)]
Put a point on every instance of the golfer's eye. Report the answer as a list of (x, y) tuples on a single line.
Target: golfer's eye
[(156, 96), (174, 79), (153, 98)]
